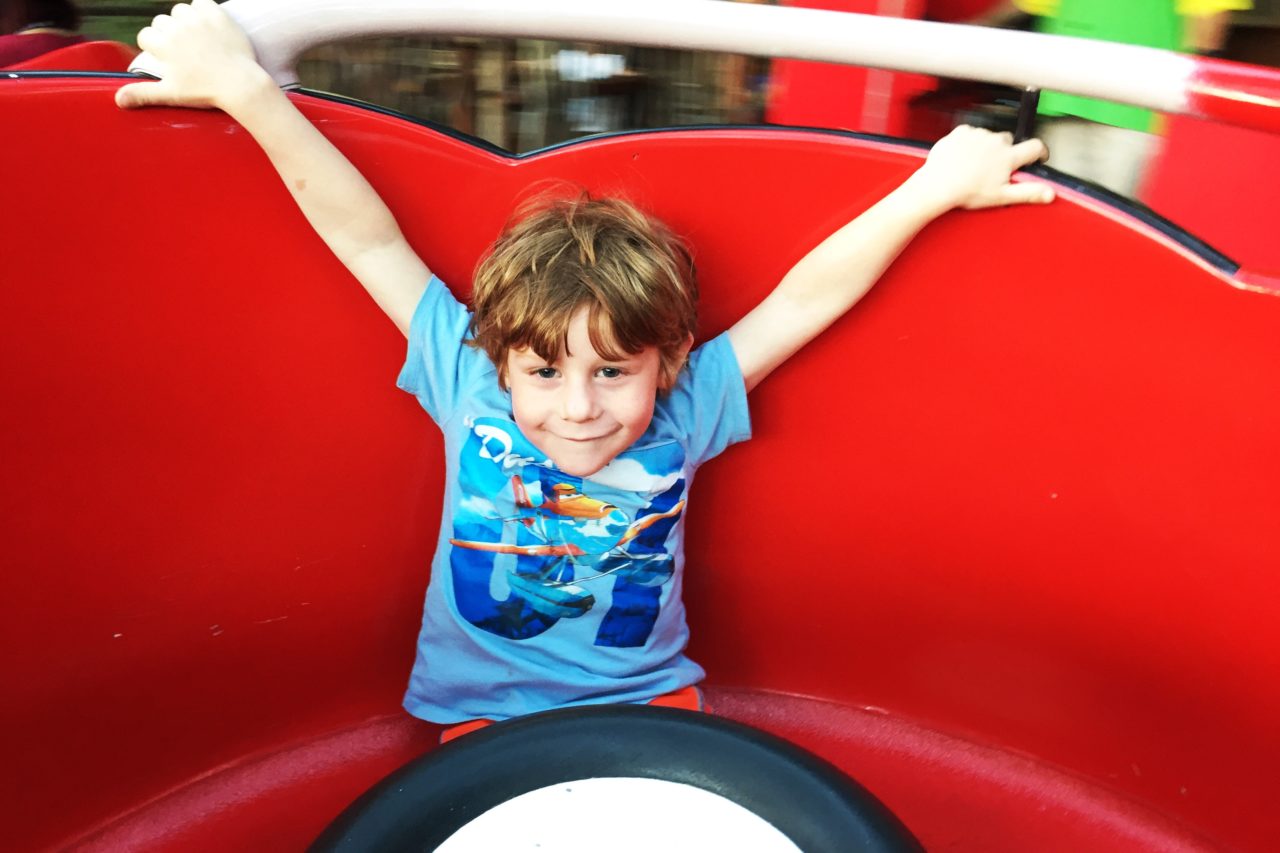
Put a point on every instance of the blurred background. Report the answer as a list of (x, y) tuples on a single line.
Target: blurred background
[(519, 94), (523, 95)]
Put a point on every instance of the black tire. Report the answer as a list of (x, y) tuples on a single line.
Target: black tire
[(423, 803)]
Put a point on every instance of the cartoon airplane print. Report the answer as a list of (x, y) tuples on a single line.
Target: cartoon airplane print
[(533, 546), (568, 598)]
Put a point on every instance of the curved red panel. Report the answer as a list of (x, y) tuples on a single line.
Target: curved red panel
[(85, 56), (1219, 181), (1023, 495)]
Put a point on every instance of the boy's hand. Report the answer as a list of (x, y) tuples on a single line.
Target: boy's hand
[(971, 168), (204, 58)]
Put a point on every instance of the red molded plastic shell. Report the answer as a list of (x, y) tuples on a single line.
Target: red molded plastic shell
[(1012, 525)]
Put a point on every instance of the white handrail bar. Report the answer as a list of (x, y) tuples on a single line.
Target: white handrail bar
[(1163, 80)]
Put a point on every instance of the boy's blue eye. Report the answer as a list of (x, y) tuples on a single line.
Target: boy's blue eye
[(610, 372), (545, 373)]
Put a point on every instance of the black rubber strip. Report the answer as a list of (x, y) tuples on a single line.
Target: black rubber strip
[(807, 799)]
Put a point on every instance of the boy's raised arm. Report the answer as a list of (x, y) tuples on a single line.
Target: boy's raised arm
[(208, 62), (968, 168)]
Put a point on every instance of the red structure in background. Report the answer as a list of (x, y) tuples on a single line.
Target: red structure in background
[(1004, 545), (819, 94), (957, 11), (86, 56), (870, 100), (1217, 181)]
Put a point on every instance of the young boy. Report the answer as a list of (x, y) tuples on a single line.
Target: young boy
[(574, 411)]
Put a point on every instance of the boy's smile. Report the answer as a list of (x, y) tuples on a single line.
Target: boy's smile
[(582, 410)]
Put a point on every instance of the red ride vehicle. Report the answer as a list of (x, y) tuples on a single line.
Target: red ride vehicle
[(1003, 548)]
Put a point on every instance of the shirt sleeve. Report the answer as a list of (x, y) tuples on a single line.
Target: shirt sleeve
[(438, 365), (709, 401)]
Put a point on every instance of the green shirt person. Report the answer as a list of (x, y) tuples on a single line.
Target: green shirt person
[(1198, 25)]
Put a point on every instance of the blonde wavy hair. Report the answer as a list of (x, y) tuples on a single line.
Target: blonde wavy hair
[(558, 254)]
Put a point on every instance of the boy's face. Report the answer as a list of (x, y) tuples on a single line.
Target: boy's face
[(582, 410)]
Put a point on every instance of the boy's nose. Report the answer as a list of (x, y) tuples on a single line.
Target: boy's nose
[(579, 402)]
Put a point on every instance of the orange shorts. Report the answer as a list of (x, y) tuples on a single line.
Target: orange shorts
[(688, 698)]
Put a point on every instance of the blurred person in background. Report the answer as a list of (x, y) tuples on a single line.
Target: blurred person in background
[(29, 28), (1108, 143)]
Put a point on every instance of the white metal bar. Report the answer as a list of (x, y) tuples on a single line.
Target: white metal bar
[(282, 29)]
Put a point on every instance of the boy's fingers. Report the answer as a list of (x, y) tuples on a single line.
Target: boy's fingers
[(147, 39), (1027, 192), (1029, 151), (141, 95), (128, 96), (204, 8)]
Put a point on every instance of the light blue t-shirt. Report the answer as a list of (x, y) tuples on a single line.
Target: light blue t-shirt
[(548, 589)]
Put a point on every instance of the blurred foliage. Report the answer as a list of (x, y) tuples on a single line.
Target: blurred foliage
[(118, 21)]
